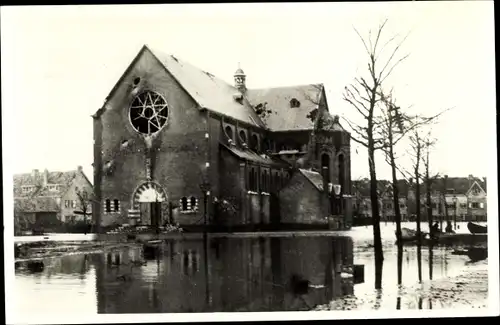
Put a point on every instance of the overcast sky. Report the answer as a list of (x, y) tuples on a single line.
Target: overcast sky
[(59, 63)]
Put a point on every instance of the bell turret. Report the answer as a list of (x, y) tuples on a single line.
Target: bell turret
[(239, 79)]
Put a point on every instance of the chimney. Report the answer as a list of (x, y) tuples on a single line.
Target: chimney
[(80, 169), (45, 177), (34, 175)]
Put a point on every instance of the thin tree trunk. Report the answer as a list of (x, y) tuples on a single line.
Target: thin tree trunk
[(417, 208), (428, 192), (419, 261), (395, 196), (377, 240)]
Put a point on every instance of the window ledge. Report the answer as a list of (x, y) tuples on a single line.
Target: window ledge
[(252, 192), (189, 212)]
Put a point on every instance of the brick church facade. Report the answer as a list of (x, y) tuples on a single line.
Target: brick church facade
[(172, 141)]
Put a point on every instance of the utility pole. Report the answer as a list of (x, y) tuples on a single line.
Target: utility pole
[(445, 182)]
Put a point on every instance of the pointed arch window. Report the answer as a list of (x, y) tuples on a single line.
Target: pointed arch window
[(342, 172), (254, 143), (325, 166), (229, 132)]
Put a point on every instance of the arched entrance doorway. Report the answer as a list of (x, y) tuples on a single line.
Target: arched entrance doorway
[(149, 198)]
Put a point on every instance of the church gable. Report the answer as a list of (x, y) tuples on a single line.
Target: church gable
[(147, 82)]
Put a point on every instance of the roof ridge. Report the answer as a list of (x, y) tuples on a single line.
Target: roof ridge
[(288, 87), (185, 62)]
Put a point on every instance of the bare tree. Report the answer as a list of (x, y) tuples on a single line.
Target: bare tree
[(364, 94), (395, 125), (417, 148), (85, 200), (428, 143)]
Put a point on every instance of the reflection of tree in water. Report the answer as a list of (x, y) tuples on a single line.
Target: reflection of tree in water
[(431, 257), (378, 298), (419, 262)]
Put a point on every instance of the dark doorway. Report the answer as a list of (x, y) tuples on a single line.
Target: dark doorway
[(151, 213), (155, 214)]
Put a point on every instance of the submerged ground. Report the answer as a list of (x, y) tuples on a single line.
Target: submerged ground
[(248, 273)]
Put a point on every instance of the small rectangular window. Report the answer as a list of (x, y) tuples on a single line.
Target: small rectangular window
[(108, 205), (116, 205)]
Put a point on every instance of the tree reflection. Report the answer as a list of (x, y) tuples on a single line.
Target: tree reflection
[(379, 265), (400, 265), (419, 261), (431, 256)]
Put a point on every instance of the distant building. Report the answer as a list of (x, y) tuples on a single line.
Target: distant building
[(48, 198), (174, 143), (470, 194)]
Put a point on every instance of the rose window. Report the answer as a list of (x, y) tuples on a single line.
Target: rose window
[(148, 112)]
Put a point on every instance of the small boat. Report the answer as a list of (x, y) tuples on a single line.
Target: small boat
[(477, 229), (410, 234)]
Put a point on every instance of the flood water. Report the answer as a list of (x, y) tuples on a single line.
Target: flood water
[(231, 275)]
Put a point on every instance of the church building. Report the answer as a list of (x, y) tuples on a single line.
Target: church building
[(175, 144)]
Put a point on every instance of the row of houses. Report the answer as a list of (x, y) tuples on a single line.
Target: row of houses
[(462, 197), (49, 198)]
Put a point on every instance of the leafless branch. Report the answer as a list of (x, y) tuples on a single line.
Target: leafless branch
[(381, 76)]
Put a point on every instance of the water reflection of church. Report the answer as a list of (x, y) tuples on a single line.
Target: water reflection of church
[(238, 275), (172, 141)]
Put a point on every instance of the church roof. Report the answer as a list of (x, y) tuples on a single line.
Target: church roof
[(209, 91), (281, 114), (267, 108), (247, 154), (327, 122), (314, 177)]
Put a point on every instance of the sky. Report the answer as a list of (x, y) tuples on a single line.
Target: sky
[(59, 64)]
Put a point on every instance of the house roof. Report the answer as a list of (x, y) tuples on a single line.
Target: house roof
[(476, 185), (280, 115), (63, 179), (314, 177), (457, 185), (247, 154), (37, 204)]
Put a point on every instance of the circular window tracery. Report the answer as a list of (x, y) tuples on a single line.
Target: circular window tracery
[(148, 112)]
